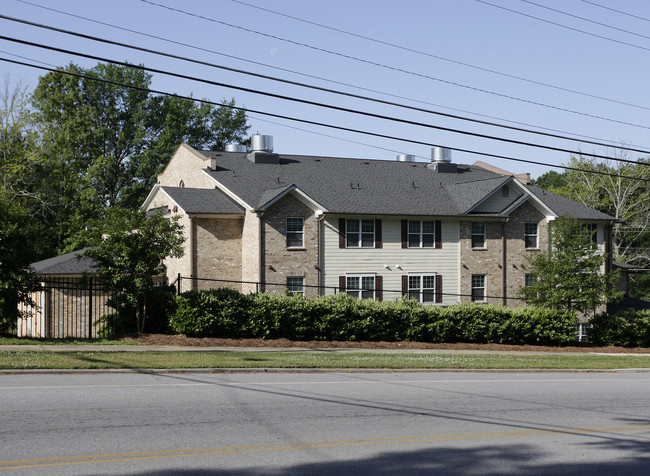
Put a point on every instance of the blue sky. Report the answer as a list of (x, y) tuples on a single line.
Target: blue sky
[(433, 37)]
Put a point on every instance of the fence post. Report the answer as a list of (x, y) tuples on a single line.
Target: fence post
[(178, 284), (90, 308)]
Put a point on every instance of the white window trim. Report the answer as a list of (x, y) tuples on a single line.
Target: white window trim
[(421, 290), (360, 233), (302, 232), (484, 234), (484, 288), (360, 290), (536, 235), (421, 233), (302, 285)]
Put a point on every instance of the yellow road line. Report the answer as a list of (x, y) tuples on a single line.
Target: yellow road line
[(118, 457)]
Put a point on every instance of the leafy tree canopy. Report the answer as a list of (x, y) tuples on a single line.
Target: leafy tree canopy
[(569, 275), (104, 142), (129, 247)]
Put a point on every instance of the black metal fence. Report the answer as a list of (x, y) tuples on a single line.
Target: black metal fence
[(66, 307)]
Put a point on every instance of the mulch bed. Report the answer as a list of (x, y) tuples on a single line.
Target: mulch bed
[(181, 340)]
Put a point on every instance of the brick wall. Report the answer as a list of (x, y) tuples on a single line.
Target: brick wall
[(280, 261), (490, 260), (218, 248)]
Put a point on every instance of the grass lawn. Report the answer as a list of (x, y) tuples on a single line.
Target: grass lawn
[(16, 359), (66, 341)]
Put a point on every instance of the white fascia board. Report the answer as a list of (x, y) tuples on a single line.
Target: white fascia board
[(317, 208), (228, 192), (152, 194)]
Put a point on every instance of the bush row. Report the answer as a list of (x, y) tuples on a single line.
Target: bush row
[(229, 314), (630, 328)]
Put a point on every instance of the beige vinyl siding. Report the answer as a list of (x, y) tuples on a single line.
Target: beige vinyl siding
[(445, 261), (496, 203)]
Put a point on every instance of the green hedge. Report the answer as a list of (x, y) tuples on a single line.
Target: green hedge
[(630, 328), (229, 314)]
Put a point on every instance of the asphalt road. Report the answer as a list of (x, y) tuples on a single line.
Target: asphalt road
[(325, 423)]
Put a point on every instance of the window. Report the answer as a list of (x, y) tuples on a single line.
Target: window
[(478, 288), (295, 232), (530, 235), (478, 234), (582, 332), (421, 234), (296, 285), (591, 230), (360, 233), (361, 286), (530, 279), (422, 287)]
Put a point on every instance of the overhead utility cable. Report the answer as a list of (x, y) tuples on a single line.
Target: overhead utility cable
[(561, 25), (442, 58), (617, 11), (304, 85), (586, 19), (396, 96), (393, 68), (318, 104), (316, 123)]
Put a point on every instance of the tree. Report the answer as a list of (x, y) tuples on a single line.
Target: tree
[(105, 142), (128, 247), (569, 275), (17, 251)]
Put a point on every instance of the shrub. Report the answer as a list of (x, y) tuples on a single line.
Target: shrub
[(629, 328), (227, 313)]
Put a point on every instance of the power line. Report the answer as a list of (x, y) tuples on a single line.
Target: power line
[(393, 68), (560, 25), (617, 11), (442, 58), (585, 19), (316, 123), (318, 77), (295, 83), (318, 104)]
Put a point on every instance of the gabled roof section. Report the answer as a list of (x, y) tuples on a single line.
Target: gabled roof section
[(471, 194), (269, 197), (563, 207), (349, 186), (203, 200), (69, 263)]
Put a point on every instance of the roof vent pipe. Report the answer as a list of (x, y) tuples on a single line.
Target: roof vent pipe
[(235, 148), (440, 154), (405, 158), (261, 143)]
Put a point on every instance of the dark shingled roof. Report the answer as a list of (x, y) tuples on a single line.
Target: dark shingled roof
[(203, 200), (373, 187), (69, 263)]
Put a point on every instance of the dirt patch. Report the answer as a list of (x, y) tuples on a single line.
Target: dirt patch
[(181, 340)]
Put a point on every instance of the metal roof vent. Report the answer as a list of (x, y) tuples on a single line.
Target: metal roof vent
[(261, 143), (405, 158), (235, 148), (262, 150), (441, 161), (440, 154)]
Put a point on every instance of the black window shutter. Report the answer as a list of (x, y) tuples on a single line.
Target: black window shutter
[(405, 284), (378, 238), (379, 288), (438, 233), (342, 238), (342, 284), (438, 288), (405, 233)]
